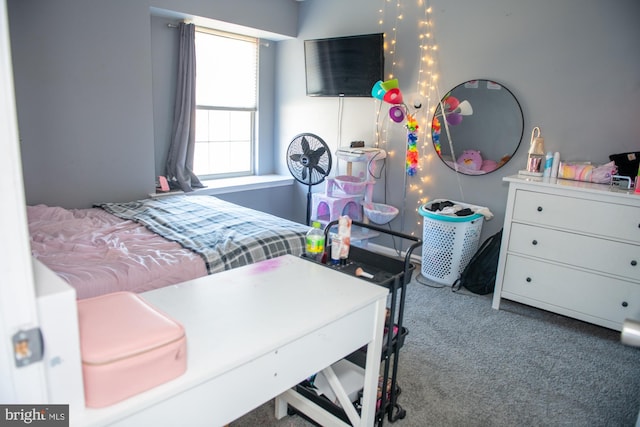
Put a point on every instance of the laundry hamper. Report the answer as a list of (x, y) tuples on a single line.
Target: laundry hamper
[(448, 242)]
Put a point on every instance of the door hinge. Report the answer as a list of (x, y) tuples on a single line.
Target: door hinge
[(28, 347)]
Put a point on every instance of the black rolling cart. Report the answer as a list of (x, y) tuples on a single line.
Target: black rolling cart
[(394, 274)]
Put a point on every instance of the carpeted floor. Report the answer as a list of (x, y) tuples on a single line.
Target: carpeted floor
[(465, 364)]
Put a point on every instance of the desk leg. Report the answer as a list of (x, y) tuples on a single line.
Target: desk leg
[(281, 407), (372, 369), (369, 397)]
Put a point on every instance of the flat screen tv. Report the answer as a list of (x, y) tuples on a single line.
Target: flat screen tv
[(344, 66)]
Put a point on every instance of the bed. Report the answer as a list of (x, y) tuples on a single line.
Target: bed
[(152, 243)]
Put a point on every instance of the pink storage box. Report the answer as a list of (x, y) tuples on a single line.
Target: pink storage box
[(127, 347)]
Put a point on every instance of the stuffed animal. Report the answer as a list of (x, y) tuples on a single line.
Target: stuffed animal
[(504, 160), (470, 159), (489, 166)]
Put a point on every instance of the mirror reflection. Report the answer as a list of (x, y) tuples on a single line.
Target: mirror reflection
[(477, 127)]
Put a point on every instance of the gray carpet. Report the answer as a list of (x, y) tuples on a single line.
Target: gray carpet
[(465, 364)]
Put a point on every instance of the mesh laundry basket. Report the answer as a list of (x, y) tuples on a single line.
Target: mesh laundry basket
[(448, 243)]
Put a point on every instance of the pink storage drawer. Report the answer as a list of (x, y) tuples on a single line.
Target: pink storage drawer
[(127, 347)]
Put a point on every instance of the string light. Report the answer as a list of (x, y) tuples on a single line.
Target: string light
[(426, 87), (419, 139)]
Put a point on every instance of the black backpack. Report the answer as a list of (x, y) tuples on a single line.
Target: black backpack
[(479, 276)]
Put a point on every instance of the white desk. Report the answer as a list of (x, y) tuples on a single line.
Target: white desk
[(253, 333)]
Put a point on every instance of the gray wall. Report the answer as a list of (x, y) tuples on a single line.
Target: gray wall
[(572, 64), (276, 200), (87, 98), (83, 94), (89, 103)]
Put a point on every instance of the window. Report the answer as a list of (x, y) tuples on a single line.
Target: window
[(226, 104)]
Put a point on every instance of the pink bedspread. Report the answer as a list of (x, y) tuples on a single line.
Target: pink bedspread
[(99, 253)]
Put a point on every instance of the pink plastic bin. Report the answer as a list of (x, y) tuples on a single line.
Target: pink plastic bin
[(127, 347)]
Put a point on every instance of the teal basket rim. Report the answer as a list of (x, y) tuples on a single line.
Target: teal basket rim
[(447, 218)]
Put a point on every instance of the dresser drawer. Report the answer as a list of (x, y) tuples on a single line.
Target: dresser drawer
[(582, 215), (607, 256), (563, 289)]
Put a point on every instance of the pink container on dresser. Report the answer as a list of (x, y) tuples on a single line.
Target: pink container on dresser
[(127, 347)]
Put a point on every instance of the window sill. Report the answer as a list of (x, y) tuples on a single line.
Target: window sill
[(238, 184)]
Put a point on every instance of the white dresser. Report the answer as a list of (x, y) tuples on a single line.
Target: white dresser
[(572, 248)]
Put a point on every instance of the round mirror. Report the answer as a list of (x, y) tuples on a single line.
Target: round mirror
[(477, 127)]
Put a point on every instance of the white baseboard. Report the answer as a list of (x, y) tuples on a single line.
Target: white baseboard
[(415, 258)]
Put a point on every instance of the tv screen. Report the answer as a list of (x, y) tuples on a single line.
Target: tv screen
[(344, 66)]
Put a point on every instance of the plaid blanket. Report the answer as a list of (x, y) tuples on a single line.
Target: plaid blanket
[(224, 234)]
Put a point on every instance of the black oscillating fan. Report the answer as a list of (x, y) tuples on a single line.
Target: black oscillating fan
[(309, 161)]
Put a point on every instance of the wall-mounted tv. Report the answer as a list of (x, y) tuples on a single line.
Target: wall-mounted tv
[(344, 66)]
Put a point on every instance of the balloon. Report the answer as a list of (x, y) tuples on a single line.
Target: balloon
[(390, 84), (450, 103), (396, 113), (377, 91), (454, 119), (393, 96)]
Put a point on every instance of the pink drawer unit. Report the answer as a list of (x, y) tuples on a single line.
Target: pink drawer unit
[(127, 347)]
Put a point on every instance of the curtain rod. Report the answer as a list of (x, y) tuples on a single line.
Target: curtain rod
[(262, 42)]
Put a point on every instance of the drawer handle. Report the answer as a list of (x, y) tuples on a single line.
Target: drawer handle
[(540, 210), (535, 242), (528, 279), (625, 304), (634, 262)]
